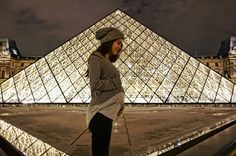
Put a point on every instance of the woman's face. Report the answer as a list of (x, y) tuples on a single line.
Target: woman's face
[(117, 47)]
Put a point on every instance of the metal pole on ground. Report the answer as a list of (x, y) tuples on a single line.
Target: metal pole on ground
[(126, 127), (78, 137)]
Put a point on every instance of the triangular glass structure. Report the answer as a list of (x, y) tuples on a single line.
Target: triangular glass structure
[(152, 69)]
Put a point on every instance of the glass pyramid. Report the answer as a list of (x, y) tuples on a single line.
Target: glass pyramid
[(152, 70)]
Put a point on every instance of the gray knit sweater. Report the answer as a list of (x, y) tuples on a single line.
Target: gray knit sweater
[(104, 79)]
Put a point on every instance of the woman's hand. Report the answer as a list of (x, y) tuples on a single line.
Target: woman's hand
[(121, 110)]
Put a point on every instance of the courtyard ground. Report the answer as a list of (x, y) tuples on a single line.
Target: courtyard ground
[(59, 126)]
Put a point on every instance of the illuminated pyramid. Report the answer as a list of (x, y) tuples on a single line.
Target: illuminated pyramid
[(152, 69)]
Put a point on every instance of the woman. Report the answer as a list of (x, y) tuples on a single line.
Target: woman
[(107, 94)]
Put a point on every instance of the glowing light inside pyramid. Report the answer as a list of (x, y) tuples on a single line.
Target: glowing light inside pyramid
[(152, 70)]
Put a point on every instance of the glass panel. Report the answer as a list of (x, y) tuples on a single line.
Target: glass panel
[(164, 50), (181, 62), (146, 93), (220, 99), (138, 84), (196, 84), (204, 69), (60, 99), (153, 84), (32, 77), (19, 76), (53, 63), (168, 45), (155, 99), (65, 84), (184, 55), (176, 68), (24, 93), (42, 71), (85, 94), (50, 84), (47, 76), (161, 40), (29, 99), (78, 62), (188, 72), (178, 93), (193, 62), (50, 57), (224, 93), (39, 93), (7, 84), (54, 94), (45, 99), (167, 84), (65, 62), (200, 77), (131, 93), (181, 83), (171, 99), (210, 83), (70, 93), (30, 69), (209, 93), (162, 93), (36, 84), (13, 99), (204, 99), (144, 76), (79, 84), (172, 56), (193, 93), (40, 62), (70, 69), (76, 99), (168, 62), (163, 69), (130, 76), (61, 76), (9, 93), (59, 51), (74, 76), (188, 99), (215, 76), (227, 84), (177, 51), (125, 83)]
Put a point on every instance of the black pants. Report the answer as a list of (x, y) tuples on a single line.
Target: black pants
[(101, 127)]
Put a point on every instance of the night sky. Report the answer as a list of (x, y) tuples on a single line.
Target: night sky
[(195, 26)]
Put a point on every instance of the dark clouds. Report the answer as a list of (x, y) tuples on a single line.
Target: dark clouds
[(192, 25)]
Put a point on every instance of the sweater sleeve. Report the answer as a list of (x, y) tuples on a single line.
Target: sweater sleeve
[(96, 83)]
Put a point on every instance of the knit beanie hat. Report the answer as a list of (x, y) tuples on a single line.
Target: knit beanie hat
[(108, 34)]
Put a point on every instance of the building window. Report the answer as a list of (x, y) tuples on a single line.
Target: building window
[(3, 74), (216, 64), (22, 64), (207, 64)]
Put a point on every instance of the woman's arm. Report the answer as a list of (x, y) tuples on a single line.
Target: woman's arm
[(95, 77)]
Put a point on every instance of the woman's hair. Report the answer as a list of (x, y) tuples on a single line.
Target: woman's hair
[(103, 49)]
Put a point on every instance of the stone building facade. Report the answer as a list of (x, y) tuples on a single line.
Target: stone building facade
[(225, 60), (11, 60)]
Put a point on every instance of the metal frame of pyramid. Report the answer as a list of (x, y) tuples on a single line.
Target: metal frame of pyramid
[(152, 71)]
